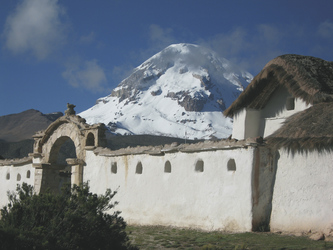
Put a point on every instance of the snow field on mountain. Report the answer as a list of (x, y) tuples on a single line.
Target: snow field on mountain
[(152, 99), (163, 117)]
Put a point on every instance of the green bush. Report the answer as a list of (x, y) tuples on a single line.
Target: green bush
[(74, 219)]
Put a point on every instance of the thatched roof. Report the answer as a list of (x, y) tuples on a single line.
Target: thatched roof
[(308, 130), (305, 77)]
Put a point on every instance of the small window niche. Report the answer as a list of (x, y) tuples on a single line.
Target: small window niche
[(290, 104), (8, 176), (90, 140), (199, 166), (231, 165), (114, 167), (28, 174), (167, 167), (18, 177), (138, 169)]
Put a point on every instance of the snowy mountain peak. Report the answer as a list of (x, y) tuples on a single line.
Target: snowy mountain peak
[(184, 70), (182, 89)]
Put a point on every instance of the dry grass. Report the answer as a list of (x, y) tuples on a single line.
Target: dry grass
[(157, 237)]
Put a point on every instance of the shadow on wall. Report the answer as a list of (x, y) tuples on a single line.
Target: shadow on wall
[(263, 188)]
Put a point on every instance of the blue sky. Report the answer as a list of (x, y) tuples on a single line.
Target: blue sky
[(58, 51)]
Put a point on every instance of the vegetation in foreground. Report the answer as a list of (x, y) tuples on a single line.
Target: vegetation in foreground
[(74, 219), (157, 237)]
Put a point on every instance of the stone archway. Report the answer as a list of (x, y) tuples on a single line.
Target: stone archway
[(54, 167), (62, 149), (59, 171)]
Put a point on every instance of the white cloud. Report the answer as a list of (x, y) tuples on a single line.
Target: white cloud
[(249, 50), (36, 27), (158, 39), (269, 34), (325, 29), (229, 44), (161, 37), (88, 39), (87, 74), (119, 73)]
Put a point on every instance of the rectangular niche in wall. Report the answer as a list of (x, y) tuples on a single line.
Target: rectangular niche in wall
[(114, 167), (290, 104), (199, 166), (138, 169), (167, 167), (231, 165)]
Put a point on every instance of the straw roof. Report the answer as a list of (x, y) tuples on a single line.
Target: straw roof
[(305, 77), (308, 130)]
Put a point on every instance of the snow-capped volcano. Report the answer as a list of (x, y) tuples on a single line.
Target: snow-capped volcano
[(180, 92)]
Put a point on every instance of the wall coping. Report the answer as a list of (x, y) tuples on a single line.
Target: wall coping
[(224, 144), (16, 162)]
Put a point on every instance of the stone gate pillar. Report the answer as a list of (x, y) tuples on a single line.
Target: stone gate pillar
[(39, 182), (76, 170)]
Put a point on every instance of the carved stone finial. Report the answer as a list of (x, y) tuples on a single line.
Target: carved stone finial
[(70, 109)]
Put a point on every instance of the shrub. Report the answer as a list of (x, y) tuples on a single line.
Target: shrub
[(74, 219)]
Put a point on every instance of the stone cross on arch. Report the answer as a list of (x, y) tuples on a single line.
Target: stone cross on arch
[(70, 109)]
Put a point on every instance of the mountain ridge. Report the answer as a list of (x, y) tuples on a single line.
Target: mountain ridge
[(14, 148), (180, 92), (23, 125), (16, 131)]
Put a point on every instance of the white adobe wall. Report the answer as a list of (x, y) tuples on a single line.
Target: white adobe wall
[(275, 112), (10, 184), (303, 193), (253, 123), (215, 199), (246, 124)]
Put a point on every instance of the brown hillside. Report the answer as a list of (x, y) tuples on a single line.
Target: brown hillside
[(22, 126)]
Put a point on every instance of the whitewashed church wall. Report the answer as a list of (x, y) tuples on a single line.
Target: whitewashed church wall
[(210, 197), (303, 193), (13, 175)]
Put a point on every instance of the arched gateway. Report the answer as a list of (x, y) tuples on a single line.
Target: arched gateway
[(59, 151)]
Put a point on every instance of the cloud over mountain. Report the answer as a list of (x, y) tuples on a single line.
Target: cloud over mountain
[(86, 74)]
